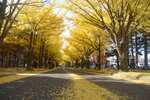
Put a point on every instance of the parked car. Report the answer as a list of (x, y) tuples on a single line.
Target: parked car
[(140, 65), (113, 65)]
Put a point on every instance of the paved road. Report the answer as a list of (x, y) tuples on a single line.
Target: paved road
[(68, 84), (121, 87)]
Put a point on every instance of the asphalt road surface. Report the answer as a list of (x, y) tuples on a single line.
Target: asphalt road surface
[(69, 84)]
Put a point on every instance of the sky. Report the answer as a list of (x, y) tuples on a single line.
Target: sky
[(60, 11)]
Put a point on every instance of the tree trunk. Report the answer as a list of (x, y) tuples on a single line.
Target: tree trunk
[(9, 60), (99, 55), (118, 65), (42, 49), (82, 62), (145, 51), (117, 56), (6, 62), (88, 63), (136, 50), (30, 52), (2, 61), (132, 49), (3, 6), (14, 60), (39, 59), (18, 58), (124, 55), (29, 63), (46, 59)]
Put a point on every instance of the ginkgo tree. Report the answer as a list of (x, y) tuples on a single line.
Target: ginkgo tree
[(9, 10), (118, 18), (72, 56), (38, 27), (93, 37), (51, 52), (87, 40), (41, 23)]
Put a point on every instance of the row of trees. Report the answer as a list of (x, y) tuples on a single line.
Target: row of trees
[(115, 20), (33, 36), (85, 41), (139, 44)]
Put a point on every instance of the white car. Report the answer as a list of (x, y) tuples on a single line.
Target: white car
[(140, 65)]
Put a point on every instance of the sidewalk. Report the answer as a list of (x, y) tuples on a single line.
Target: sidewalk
[(143, 76), (138, 77), (11, 74)]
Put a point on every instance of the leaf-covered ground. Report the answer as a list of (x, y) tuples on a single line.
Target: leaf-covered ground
[(69, 84)]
